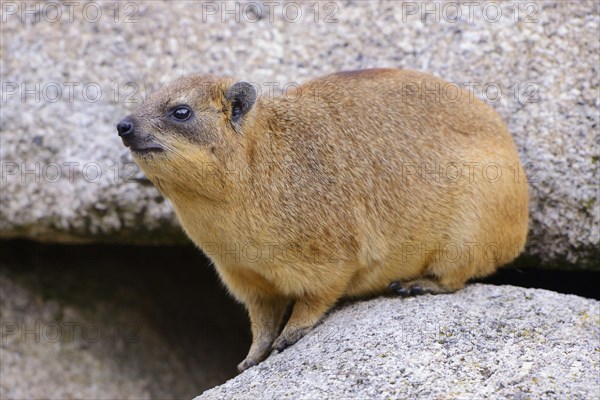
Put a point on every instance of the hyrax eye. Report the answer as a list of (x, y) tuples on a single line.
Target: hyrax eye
[(182, 113)]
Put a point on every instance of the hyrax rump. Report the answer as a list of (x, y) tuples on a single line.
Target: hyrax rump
[(349, 185)]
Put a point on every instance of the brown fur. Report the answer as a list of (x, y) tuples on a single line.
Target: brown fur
[(314, 196)]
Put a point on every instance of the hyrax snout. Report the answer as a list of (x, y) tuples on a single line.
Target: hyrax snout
[(350, 185)]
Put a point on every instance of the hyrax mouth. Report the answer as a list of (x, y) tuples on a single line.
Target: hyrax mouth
[(138, 142), (146, 150)]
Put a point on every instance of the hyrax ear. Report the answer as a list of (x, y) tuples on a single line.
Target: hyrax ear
[(241, 96)]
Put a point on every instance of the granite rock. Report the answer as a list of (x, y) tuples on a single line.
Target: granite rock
[(492, 342)]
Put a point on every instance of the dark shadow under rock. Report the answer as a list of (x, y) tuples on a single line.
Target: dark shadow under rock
[(115, 322)]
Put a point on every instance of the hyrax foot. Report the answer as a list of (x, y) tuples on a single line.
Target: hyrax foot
[(286, 339), (257, 354), (418, 287), (307, 312), (247, 363)]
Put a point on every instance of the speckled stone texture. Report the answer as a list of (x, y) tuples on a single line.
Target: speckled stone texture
[(492, 342), (536, 62)]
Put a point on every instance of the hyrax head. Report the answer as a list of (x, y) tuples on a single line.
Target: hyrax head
[(187, 123)]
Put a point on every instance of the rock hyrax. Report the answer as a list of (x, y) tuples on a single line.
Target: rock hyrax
[(351, 185)]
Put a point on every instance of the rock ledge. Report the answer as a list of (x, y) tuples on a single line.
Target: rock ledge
[(482, 342)]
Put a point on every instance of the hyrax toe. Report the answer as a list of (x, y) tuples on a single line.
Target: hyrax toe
[(418, 287), (286, 339), (247, 363), (396, 288), (416, 290)]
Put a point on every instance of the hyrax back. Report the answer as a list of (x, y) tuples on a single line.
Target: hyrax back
[(348, 183)]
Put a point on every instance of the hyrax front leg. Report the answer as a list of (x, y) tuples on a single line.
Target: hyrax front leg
[(266, 314)]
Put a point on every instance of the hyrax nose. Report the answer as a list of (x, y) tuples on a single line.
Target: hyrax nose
[(125, 128)]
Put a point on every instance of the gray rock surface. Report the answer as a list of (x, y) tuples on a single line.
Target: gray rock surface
[(485, 341), (66, 176)]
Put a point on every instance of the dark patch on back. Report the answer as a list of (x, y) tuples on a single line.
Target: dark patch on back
[(362, 73)]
